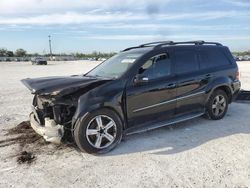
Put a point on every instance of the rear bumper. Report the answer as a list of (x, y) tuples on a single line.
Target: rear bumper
[(236, 89), (51, 131)]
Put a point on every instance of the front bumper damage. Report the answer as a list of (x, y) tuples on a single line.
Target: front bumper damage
[(50, 131)]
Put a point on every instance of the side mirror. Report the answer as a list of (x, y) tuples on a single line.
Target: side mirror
[(140, 79)]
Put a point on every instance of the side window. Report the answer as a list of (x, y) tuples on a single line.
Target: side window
[(156, 67), (185, 61), (212, 58)]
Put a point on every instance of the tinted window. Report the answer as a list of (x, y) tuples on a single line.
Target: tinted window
[(185, 61), (156, 67), (212, 58)]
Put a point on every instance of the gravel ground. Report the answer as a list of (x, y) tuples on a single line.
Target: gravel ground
[(196, 153)]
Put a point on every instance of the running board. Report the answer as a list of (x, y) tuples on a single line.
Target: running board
[(149, 127)]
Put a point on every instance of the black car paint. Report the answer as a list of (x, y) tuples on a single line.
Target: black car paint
[(59, 85), (126, 97)]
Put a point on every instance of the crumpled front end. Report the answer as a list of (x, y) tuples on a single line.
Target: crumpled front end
[(51, 131), (50, 118), (55, 103)]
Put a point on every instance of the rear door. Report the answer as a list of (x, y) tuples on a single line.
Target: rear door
[(191, 83)]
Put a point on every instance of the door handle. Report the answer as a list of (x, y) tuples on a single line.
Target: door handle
[(206, 78), (171, 86)]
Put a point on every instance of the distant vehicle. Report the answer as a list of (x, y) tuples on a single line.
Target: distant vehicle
[(17, 59), (240, 58), (101, 59), (235, 57), (139, 89), (39, 61), (246, 58), (92, 59)]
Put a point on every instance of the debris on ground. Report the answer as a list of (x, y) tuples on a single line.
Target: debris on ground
[(20, 128), (28, 140), (24, 135), (26, 157)]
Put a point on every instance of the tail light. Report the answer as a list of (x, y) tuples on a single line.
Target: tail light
[(238, 75)]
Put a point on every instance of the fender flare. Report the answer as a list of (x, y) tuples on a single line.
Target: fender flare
[(220, 83), (88, 104)]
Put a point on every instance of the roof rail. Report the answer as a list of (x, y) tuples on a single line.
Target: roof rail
[(164, 43), (130, 48), (197, 42), (147, 45), (152, 43)]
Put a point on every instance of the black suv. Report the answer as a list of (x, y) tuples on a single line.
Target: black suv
[(140, 88)]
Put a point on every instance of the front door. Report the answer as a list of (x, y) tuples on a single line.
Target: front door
[(152, 100)]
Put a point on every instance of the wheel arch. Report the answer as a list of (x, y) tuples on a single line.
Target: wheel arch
[(88, 104), (227, 90), (224, 87), (223, 83)]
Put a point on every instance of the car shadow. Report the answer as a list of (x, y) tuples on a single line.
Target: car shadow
[(186, 135)]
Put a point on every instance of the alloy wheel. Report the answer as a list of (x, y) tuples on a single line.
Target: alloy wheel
[(101, 131), (219, 105)]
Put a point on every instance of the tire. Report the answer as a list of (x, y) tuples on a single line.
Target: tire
[(98, 139), (217, 105)]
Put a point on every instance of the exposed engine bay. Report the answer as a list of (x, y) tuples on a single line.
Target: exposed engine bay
[(55, 103)]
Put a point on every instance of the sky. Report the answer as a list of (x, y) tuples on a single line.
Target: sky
[(112, 25)]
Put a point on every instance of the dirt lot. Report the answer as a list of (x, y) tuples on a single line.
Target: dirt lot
[(197, 153)]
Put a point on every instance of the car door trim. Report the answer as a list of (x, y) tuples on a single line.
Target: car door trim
[(154, 105), (191, 95), (169, 101)]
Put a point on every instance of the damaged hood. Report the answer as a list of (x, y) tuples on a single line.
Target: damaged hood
[(60, 85)]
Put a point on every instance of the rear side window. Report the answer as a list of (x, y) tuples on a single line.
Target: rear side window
[(212, 58), (186, 61)]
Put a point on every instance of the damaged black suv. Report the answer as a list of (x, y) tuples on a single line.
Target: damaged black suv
[(141, 88)]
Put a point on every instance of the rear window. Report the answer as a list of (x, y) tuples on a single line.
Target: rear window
[(185, 61), (212, 58)]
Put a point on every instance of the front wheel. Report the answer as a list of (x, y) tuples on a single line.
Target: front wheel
[(217, 105), (99, 132)]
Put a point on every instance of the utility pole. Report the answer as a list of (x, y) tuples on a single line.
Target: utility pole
[(50, 49)]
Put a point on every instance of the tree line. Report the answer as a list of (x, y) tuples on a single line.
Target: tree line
[(23, 53), (8, 53), (94, 54), (242, 53)]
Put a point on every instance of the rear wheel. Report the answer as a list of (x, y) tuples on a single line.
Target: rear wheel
[(99, 132), (217, 105)]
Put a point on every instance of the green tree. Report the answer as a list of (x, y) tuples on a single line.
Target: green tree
[(9, 54), (20, 52), (3, 52)]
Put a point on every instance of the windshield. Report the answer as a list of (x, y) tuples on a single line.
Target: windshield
[(115, 66)]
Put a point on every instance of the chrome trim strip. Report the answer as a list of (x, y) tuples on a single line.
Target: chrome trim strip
[(166, 102), (192, 95), (154, 105)]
